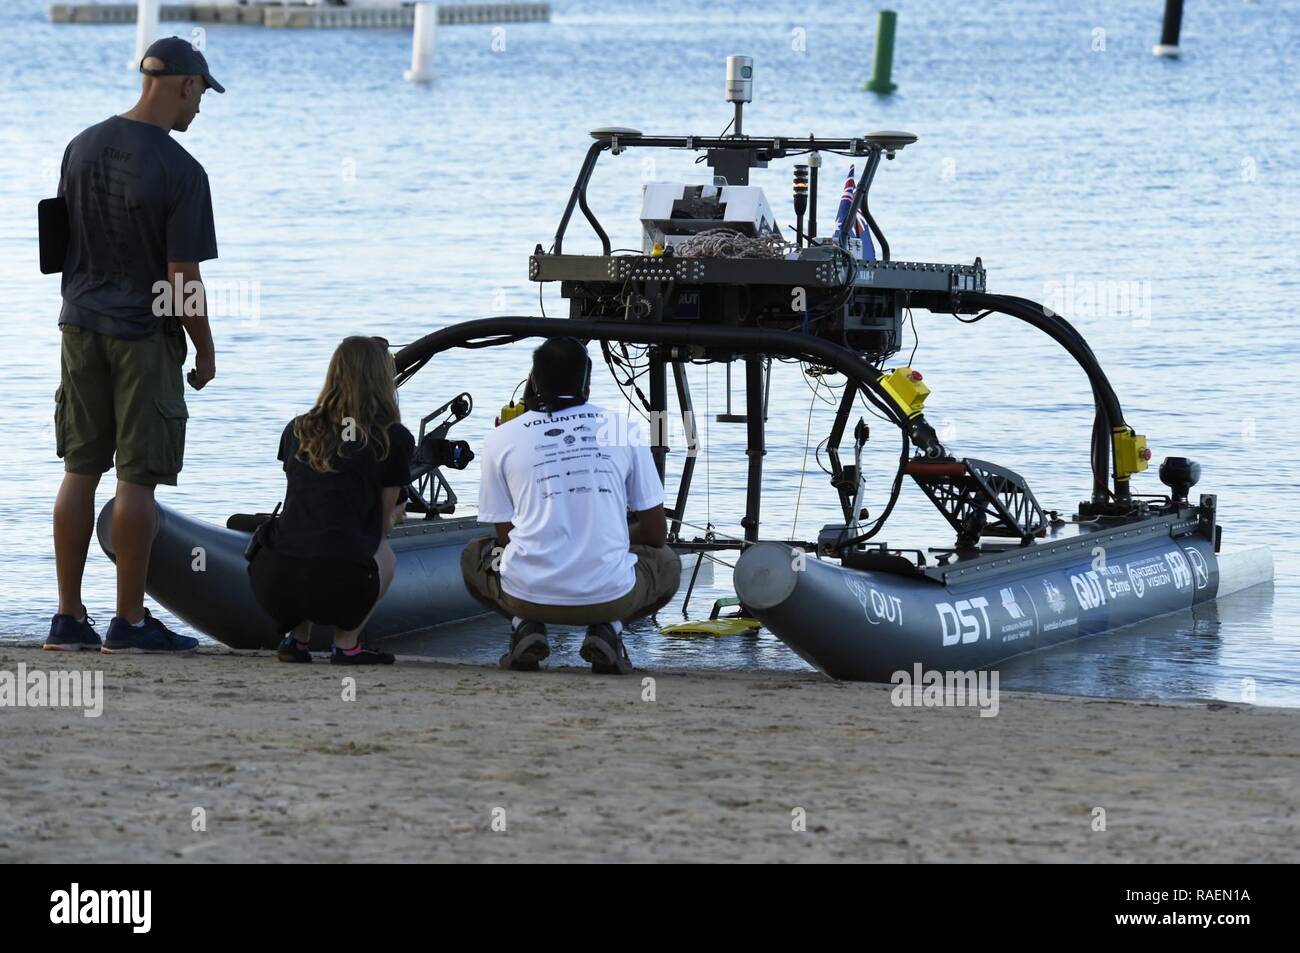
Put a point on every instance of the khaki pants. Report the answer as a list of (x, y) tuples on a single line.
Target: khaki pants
[(658, 573), (122, 399)]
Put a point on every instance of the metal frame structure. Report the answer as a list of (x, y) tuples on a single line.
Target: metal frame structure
[(732, 157), (733, 332)]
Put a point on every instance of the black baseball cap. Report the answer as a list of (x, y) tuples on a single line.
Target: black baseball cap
[(179, 58)]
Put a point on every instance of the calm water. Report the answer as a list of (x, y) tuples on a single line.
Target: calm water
[(357, 202)]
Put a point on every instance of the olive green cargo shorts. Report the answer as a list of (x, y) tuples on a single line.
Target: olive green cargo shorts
[(658, 573), (125, 398)]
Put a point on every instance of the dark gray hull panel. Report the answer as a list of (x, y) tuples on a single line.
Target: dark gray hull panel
[(859, 625), (218, 599)]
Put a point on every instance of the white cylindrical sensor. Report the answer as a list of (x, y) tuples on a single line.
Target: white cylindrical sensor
[(740, 79)]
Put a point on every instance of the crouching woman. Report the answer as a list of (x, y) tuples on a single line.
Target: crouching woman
[(325, 559)]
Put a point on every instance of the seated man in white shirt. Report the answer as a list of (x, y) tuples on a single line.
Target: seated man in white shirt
[(559, 482)]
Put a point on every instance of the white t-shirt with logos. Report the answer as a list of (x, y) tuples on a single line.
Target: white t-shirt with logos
[(567, 481)]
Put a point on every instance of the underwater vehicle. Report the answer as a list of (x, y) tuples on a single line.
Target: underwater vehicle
[(717, 282), (199, 573)]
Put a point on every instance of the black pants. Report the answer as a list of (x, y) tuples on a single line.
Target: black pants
[(324, 591)]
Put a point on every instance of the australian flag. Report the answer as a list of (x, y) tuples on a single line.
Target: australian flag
[(860, 225)]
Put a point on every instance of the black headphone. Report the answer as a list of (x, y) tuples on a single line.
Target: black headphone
[(586, 373), (546, 405)]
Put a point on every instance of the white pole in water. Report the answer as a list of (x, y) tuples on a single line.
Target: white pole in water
[(426, 24), (146, 28)]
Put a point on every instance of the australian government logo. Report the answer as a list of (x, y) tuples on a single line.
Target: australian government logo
[(1055, 601), (1057, 604)]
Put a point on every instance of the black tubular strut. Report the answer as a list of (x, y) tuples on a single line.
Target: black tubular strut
[(764, 148), (579, 196), (1102, 434), (860, 194), (504, 330), (848, 400), (755, 444), (659, 410), (1068, 337), (687, 405)]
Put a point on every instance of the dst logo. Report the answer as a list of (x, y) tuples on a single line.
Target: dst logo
[(960, 623), (76, 906)]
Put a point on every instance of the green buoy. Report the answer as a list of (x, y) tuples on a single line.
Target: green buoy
[(884, 55)]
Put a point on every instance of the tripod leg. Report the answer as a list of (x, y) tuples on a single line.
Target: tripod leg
[(658, 408), (755, 443), (692, 446)]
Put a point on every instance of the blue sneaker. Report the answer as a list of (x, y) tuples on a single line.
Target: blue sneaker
[(70, 634), (152, 637)]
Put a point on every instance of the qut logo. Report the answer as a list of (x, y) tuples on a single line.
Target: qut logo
[(1088, 590), (960, 622), (876, 606)]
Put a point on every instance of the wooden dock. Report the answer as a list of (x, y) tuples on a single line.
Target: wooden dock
[(284, 16)]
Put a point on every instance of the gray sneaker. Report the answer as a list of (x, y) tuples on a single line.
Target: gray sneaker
[(528, 646), (605, 650)]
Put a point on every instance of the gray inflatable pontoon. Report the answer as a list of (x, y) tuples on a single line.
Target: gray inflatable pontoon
[(865, 624), (198, 572)]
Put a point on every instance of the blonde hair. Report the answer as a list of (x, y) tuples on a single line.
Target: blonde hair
[(360, 395)]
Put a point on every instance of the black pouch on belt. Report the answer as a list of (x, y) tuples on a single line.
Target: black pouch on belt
[(262, 534), (52, 233)]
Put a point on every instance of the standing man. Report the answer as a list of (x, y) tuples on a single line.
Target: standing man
[(561, 483), (140, 221)]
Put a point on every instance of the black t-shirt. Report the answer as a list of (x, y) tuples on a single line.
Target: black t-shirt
[(339, 514), (136, 200)]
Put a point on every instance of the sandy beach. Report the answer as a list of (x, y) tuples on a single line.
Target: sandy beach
[(431, 760)]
